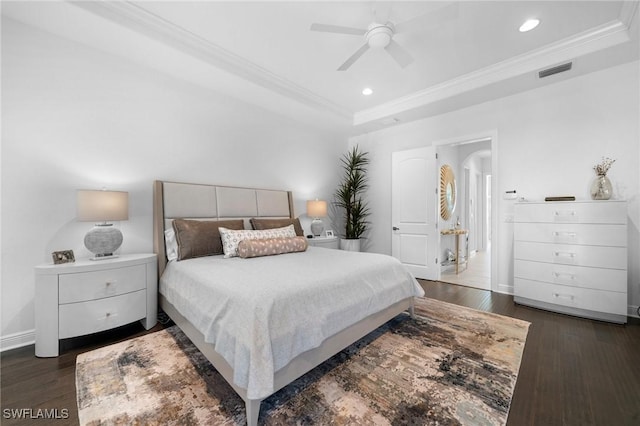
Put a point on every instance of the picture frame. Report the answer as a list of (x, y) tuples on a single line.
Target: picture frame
[(329, 233), (63, 256)]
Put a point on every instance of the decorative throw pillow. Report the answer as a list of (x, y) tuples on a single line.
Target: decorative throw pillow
[(258, 223), (271, 246), (197, 238), (231, 238), (170, 244)]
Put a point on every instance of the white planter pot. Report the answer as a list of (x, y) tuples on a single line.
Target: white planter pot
[(350, 245)]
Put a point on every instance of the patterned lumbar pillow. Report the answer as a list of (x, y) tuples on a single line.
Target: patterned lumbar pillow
[(271, 246), (231, 238)]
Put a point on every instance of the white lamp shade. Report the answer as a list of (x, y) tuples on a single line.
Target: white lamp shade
[(102, 206), (316, 208)]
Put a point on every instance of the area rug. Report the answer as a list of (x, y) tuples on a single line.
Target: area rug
[(451, 365)]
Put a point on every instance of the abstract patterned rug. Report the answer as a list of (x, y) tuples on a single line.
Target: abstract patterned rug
[(452, 365)]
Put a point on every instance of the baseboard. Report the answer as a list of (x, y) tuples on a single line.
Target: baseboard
[(17, 340), (632, 311), (505, 288)]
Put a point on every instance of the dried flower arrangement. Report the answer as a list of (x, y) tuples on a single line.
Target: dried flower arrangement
[(602, 168)]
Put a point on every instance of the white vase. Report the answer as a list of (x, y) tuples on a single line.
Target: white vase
[(350, 244)]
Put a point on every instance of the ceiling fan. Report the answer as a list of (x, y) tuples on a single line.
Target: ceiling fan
[(378, 35)]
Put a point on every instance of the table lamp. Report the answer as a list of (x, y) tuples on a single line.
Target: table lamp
[(102, 207), (316, 209)]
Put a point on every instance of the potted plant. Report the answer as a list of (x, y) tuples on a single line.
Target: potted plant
[(348, 197)]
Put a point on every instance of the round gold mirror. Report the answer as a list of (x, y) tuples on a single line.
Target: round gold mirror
[(447, 192)]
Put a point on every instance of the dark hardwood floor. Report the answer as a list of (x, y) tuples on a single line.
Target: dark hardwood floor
[(574, 371)]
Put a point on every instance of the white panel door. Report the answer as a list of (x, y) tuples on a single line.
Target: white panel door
[(415, 239)]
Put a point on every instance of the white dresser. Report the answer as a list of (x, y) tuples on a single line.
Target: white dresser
[(87, 296), (571, 257)]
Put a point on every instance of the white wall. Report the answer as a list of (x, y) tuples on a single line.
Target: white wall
[(548, 140), (75, 118)]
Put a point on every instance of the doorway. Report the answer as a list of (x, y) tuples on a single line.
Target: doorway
[(472, 160)]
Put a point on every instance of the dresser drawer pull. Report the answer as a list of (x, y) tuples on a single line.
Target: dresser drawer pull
[(564, 254), (109, 315), (566, 274), (565, 234), (566, 296)]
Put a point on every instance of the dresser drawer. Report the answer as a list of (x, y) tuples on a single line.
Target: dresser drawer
[(565, 254), (93, 285), (77, 319), (574, 297), (575, 276), (572, 212), (572, 233)]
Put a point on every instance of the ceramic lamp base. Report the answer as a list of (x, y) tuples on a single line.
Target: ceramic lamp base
[(103, 241), (317, 227)]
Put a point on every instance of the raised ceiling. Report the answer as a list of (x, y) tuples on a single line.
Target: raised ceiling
[(264, 52)]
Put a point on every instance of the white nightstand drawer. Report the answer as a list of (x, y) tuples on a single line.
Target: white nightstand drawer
[(326, 242), (572, 233), (94, 285), (575, 276), (575, 297), (77, 319), (565, 254)]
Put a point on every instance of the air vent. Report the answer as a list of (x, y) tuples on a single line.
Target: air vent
[(555, 70)]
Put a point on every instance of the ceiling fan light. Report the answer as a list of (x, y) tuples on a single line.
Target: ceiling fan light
[(379, 35), (529, 24)]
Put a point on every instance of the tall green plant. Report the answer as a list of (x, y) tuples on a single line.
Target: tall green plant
[(349, 193)]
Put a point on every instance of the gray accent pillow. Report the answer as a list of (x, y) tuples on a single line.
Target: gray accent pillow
[(197, 238)]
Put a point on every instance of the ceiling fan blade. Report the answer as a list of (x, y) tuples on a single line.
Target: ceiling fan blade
[(353, 58), (337, 29), (402, 57), (429, 19)]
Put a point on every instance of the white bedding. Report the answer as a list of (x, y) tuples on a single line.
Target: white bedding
[(260, 313)]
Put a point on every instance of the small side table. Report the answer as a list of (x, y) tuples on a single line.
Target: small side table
[(88, 296), (458, 233), (326, 242)]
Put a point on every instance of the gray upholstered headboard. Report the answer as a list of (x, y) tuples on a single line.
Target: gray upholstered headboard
[(173, 200)]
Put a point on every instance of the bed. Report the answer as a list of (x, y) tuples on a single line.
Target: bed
[(265, 321)]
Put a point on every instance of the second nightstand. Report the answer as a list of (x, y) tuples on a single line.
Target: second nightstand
[(326, 242)]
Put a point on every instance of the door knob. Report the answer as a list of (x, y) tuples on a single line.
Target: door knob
[(395, 228)]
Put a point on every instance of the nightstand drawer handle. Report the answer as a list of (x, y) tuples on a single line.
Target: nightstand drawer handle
[(568, 296), (110, 283), (395, 228)]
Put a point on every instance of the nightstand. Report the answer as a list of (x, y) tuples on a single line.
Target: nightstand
[(326, 242), (87, 296)]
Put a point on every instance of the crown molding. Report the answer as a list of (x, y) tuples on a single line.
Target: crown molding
[(601, 37), (628, 12), (142, 21)]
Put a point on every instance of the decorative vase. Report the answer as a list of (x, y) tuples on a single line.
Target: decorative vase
[(350, 244), (601, 188)]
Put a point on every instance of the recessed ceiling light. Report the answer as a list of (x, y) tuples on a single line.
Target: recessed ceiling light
[(528, 25), (367, 91)]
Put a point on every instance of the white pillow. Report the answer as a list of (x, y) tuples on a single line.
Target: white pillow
[(231, 237), (171, 244)]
